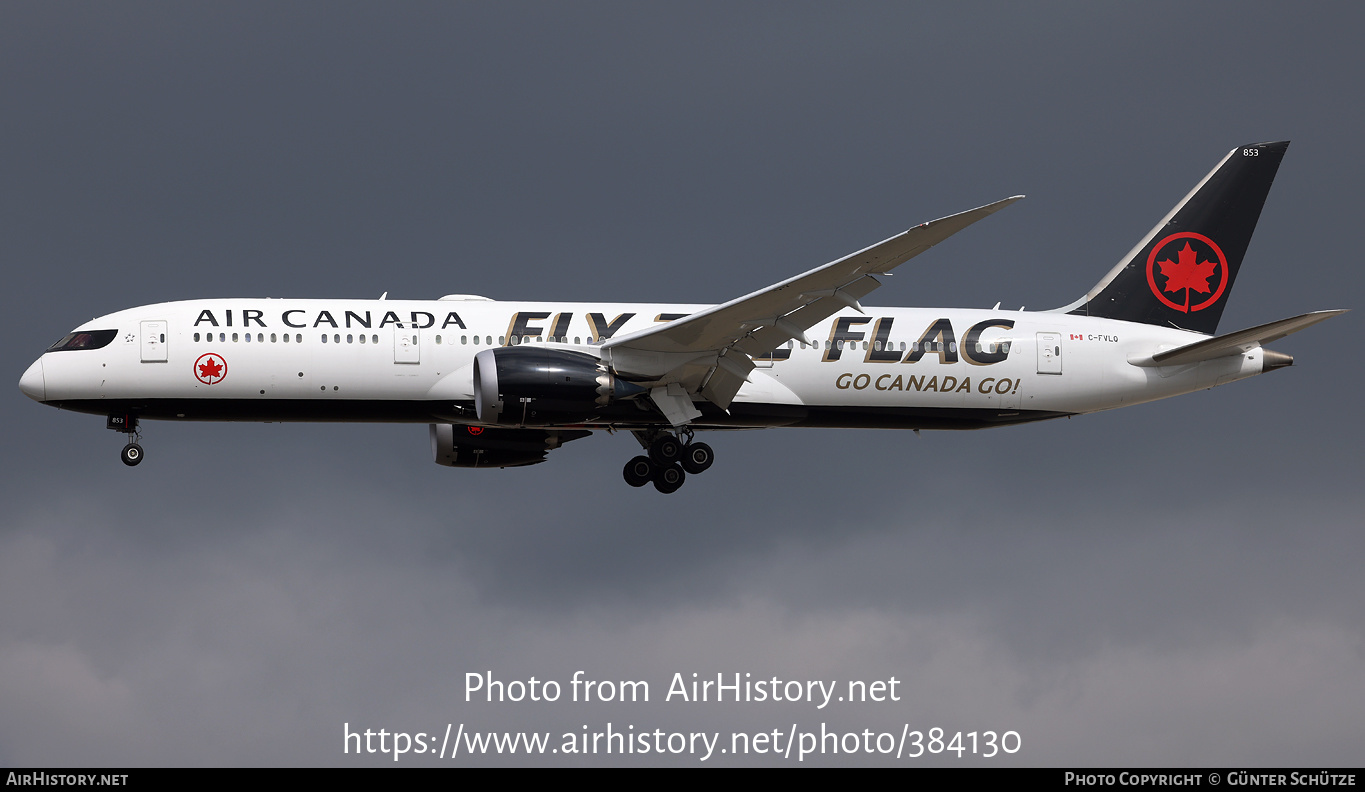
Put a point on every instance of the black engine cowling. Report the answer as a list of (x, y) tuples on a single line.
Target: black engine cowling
[(533, 386), (485, 446)]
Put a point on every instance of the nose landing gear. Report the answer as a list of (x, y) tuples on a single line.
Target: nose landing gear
[(132, 452), (670, 459)]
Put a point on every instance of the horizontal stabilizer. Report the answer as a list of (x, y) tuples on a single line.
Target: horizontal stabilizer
[(1235, 343)]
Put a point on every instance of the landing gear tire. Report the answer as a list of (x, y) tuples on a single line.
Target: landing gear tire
[(667, 478), (131, 454), (639, 471), (697, 457), (665, 450)]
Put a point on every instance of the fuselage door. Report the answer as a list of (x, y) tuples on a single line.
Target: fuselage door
[(1049, 353), (154, 342), (406, 345)]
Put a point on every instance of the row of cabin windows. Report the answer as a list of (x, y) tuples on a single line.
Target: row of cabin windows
[(362, 338), (488, 341), (915, 346), (350, 339), (260, 338), (286, 338), (502, 340)]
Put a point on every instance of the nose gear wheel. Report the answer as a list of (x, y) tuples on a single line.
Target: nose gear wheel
[(131, 454)]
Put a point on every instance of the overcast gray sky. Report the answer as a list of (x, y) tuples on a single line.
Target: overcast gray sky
[(1174, 583)]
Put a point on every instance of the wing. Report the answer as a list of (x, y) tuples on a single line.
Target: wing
[(718, 344)]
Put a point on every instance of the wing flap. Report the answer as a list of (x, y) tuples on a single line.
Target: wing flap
[(722, 386)]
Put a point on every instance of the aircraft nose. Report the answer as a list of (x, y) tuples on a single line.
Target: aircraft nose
[(32, 383)]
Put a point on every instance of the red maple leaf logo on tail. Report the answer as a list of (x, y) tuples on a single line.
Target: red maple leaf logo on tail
[(1187, 273)]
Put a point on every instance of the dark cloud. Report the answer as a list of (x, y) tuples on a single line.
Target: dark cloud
[(1173, 583)]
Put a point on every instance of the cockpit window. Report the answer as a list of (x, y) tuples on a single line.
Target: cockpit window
[(84, 339)]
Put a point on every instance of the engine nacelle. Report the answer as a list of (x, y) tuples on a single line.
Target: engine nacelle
[(533, 386), (483, 446)]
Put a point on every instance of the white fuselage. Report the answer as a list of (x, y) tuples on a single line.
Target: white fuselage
[(391, 360)]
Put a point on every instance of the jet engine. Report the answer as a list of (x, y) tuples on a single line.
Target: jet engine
[(533, 386), (482, 446)]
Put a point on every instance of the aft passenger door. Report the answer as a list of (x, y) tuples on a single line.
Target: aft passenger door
[(1049, 353)]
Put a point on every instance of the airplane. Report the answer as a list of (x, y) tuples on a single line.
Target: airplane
[(503, 383)]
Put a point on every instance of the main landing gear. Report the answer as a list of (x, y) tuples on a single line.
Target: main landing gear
[(131, 453), (669, 460)]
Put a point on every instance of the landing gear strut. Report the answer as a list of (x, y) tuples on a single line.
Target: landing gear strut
[(128, 424), (670, 458)]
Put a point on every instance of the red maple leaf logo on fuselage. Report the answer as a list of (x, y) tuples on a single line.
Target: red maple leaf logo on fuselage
[(210, 369)]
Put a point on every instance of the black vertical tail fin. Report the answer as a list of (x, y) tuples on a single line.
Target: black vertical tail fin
[(1181, 273)]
